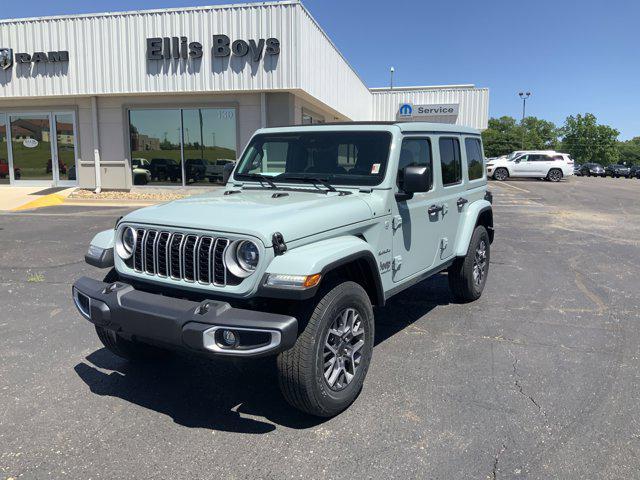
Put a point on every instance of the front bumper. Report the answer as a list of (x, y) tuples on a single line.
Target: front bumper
[(179, 323)]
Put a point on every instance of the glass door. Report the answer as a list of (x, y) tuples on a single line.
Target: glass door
[(65, 149), (31, 147), (5, 176), (42, 148)]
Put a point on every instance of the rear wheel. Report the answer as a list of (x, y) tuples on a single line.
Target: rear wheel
[(468, 275), (324, 371), (501, 174), (555, 175)]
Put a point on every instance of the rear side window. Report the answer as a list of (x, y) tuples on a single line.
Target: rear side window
[(450, 161), (414, 152), (475, 166)]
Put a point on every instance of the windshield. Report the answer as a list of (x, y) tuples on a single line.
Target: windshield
[(340, 158)]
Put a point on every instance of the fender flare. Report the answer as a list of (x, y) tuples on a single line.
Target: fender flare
[(101, 255), (322, 257), (468, 224)]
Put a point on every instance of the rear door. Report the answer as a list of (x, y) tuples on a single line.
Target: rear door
[(451, 182)]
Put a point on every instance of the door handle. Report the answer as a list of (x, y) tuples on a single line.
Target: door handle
[(434, 209), (461, 202)]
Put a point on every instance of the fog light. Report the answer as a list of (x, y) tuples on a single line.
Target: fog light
[(229, 338)]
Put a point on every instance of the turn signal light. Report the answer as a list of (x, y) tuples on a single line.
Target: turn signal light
[(311, 280), (296, 282)]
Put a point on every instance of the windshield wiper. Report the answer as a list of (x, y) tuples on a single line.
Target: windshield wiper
[(314, 180), (260, 178)]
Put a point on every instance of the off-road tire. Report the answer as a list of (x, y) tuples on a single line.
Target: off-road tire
[(554, 175), (461, 279), (301, 369), (504, 175)]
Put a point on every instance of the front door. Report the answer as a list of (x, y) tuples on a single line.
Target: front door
[(31, 147), (42, 149), (415, 232), (523, 167)]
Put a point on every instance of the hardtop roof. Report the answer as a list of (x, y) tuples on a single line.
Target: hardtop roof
[(403, 126)]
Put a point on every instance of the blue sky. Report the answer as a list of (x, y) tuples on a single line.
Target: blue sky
[(574, 56)]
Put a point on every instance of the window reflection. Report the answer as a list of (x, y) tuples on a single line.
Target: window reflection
[(208, 137), (65, 140), (155, 146), (4, 156)]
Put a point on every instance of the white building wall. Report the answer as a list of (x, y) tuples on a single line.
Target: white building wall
[(474, 102), (326, 75), (107, 55)]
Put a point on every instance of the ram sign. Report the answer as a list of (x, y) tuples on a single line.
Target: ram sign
[(436, 112)]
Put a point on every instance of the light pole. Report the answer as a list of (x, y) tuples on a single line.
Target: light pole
[(523, 96), (391, 72)]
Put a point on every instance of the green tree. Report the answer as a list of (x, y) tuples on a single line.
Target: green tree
[(587, 141), (630, 151), (539, 134), (501, 137), (505, 134)]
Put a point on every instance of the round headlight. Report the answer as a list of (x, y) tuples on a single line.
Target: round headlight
[(242, 258), (126, 243), (248, 255)]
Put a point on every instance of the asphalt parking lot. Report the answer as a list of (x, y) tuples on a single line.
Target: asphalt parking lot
[(540, 378)]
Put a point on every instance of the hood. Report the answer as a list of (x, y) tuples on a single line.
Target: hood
[(498, 161), (297, 214)]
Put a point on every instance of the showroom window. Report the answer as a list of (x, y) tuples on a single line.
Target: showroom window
[(188, 146)]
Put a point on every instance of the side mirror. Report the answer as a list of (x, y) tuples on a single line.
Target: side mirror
[(416, 179), (518, 161)]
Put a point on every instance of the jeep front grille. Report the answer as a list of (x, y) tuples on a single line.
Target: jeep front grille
[(180, 256)]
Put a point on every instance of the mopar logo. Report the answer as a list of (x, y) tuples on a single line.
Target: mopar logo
[(406, 110), (6, 58)]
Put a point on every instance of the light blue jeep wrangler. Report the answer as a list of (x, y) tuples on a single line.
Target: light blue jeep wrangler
[(317, 225)]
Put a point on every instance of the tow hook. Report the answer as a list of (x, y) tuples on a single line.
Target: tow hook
[(279, 246)]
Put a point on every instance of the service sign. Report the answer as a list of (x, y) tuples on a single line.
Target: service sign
[(410, 111)]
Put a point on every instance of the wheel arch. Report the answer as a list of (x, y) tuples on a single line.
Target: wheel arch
[(478, 213), (349, 257)]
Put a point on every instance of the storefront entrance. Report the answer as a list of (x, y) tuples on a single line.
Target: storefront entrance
[(41, 151)]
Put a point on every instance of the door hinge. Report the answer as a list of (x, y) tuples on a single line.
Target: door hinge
[(396, 222), (397, 263)]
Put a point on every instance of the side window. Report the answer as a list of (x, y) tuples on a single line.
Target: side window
[(537, 158), (450, 161), (475, 164), (414, 152)]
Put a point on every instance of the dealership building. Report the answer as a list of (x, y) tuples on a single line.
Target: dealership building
[(169, 97)]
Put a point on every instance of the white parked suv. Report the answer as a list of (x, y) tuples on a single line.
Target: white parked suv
[(547, 164)]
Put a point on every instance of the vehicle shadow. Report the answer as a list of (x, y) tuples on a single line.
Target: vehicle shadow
[(234, 396)]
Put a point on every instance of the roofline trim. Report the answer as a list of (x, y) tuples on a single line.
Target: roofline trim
[(423, 87), (152, 11)]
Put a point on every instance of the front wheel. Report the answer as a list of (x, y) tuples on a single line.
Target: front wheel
[(501, 174), (468, 275), (554, 175), (324, 371)]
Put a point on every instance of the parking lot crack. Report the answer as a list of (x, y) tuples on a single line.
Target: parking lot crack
[(519, 386), (496, 459)]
